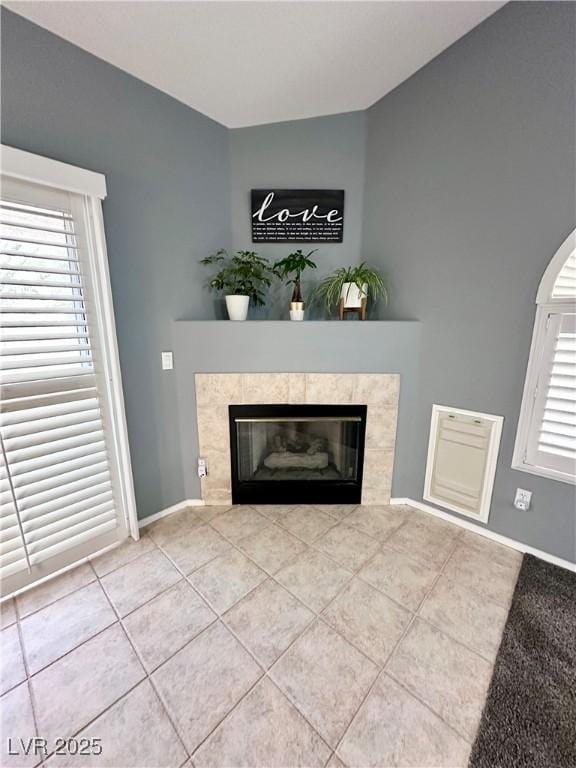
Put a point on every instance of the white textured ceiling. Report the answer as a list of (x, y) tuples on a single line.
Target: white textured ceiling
[(247, 63)]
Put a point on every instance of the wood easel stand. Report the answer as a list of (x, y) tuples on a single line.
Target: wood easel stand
[(361, 310)]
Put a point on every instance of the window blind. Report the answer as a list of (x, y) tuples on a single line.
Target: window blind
[(553, 441), (57, 476), (565, 284)]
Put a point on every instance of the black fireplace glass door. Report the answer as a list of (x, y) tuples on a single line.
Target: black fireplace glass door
[(301, 448), (296, 449)]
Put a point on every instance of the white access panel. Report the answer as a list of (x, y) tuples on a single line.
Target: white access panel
[(462, 454)]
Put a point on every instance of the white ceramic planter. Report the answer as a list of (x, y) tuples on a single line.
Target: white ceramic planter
[(237, 307), (352, 295)]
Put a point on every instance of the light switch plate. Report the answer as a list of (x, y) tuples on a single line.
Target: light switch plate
[(167, 361)]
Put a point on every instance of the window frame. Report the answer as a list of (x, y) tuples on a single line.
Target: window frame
[(26, 166), (540, 348)]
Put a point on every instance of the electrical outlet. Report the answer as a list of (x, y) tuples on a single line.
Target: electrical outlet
[(202, 468), (522, 499), (167, 361)]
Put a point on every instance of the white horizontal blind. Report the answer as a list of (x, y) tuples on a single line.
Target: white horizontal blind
[(552, 441), (565, 284), (57, 475)]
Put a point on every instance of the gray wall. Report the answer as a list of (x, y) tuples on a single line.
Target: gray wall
[(167, 172), (321, 153), (469, 192)]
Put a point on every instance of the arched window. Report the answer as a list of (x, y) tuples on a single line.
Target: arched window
[(546, 437)]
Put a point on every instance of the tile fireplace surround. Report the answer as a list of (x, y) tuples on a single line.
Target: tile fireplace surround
[(216, 391)]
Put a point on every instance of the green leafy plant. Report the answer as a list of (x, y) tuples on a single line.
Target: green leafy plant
[(294, 265), (242, 274), (362, 276)]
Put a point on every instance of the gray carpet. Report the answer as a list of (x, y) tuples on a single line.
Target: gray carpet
[(529, 719)]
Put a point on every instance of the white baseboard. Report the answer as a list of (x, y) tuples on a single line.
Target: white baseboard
[(169, 510), (518, 545)]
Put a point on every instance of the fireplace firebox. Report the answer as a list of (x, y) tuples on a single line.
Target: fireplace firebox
[(297, 454)]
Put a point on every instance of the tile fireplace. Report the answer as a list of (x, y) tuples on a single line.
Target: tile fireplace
[(376, 392), (302, 454)]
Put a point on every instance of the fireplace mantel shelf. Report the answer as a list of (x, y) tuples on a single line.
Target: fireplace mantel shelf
[(335, 322)]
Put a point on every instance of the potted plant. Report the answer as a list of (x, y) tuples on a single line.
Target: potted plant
[(351, 287), (293, 266), (242, 276)]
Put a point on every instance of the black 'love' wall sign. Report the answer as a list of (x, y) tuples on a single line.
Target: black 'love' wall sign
[(297, 215)]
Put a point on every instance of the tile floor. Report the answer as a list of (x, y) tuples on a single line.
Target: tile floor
[(269, 636)]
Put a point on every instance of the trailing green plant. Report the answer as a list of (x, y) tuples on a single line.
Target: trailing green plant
[(365, 278), (243, 273), (294, 265)]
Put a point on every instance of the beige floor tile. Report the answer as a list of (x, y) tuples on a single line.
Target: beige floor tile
[(326, 679), (175, 525), (393, 728), (314, 578), (457, 611), (268, 620), (497, 552), (210, 511), (442, 673), (348, 546), (79, 687), (335, 762), (165, 624), (275, 512), (203, 681), (308, 523), (368, 619), (65, 624), (264, 731), (405, 580), (227, 579), (52, 590), (272, 548), (7, 613), (134, 733), (428, 542), (16, 722), (12, 669), (339, 511), (432, 522), (127, 551), (379, 522), (240, 522), (195, 549), (134, 584), (476, 568)]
